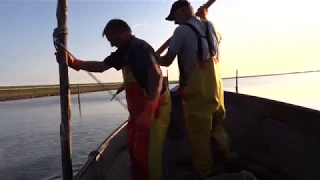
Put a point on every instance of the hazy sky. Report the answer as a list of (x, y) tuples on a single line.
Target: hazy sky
[(259, 36)]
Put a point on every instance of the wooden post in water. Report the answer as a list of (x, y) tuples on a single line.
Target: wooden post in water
[(79, 102), (237, 81), (65, 125)]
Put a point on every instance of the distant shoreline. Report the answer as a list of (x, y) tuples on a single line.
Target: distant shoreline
[(29, 92), (10, 93), (21, 97)]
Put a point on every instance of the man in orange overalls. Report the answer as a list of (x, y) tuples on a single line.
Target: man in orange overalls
[(195, 43), (147, 96)]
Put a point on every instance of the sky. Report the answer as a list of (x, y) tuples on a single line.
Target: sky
[(258, 36)]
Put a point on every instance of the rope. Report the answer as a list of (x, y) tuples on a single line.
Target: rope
[(56, 42), (59, 31), (56, 32)]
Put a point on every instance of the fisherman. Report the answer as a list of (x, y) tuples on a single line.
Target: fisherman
[(195, 43), (147, 96)]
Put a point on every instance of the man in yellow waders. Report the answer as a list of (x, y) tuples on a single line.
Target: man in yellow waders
[(147, 97), (195, 43)]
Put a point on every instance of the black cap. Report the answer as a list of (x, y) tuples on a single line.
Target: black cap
[(177, 5)]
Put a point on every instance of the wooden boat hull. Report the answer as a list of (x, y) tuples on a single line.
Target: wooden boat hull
[(279, 140)]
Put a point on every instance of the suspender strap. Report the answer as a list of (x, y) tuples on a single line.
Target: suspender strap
[(208, 39), (199, 37), (199, 51)]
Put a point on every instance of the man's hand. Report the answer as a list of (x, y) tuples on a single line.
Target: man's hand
[(202, 12), (74, 63)]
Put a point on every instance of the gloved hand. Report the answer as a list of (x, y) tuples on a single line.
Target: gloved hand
[(146, 117), (202, 12), (74, 63)]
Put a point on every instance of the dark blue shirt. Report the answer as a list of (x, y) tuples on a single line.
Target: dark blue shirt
[(138, 55)]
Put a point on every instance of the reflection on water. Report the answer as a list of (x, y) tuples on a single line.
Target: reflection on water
[(30, 144)]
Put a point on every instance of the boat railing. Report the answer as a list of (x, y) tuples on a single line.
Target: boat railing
[(300, 118), (237, 77)]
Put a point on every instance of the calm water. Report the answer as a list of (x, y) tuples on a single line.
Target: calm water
[(30, 145)]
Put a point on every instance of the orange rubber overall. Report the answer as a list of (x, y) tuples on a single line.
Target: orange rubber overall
[(145, 140)]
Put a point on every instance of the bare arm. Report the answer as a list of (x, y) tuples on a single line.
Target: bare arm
[(91, 66), (94, 66), (175, 46), (167, 59), (155, 80), (114, 60)]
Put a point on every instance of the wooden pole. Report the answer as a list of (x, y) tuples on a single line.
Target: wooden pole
[(65, 125), (237, 81)]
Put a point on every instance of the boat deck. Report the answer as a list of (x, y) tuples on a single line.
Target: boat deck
[(288, 153), (264, 138)]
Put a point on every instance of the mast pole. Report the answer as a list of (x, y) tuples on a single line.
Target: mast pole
[(65, 105)]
